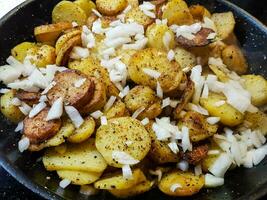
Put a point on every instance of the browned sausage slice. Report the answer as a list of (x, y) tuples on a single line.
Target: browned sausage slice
[(37, 129), (28, 97), (199, 40), (197, 154), (67, 88)]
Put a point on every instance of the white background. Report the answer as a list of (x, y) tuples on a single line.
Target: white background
[(7, 5)]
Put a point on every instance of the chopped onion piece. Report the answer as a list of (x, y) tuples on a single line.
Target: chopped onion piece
[(198, 170), (25, 108), (205, 92), (186, 144), (174, 103), (183, 165), (36, 109), (124, 158), (110, 103), (175, 186), (152, 73), (213, 152), (43, 98), (166, 102), (170, 55), (64, 183), (145, 121), (213, 120), (166, 41), (124, 92), (74, 115), (74, 24), (23, 144), (56, 110), (49, 87), (103, 120), (96, 12), (157, 172), (149, 14), (219, 103), (173, 146), (213, 181), (221, 165), (127, 172), (138, 112), (159, 90), (16, 101), (198, 108), (4, 90), (19, 127), (97, 114)]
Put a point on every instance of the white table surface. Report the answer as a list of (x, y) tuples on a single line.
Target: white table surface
[(7, 5)]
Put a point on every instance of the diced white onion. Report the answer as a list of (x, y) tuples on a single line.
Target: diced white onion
[(219, 103), (124, 158), (124, 92), (173, 146), (145, 121), (138, 112), (221, 165), (96, 12), (19, 127), (43, 98), (205, 92), (25, 108), (199, 109), (79, 52), (64, 183), (213, 181), (127, 172), (36, 109), (198, 170), (175, 186), (157, 172), (213, 152), (174, 103), (213, 120), (183, 165), (4, 90), (56, 110), (23, 144), (74, 24), (79, 82), (97, 114), (166, 102), (16, 101), (74, 115), (170, 55), (149, 13), (166, 39), (159, 90), (186, 144), (152, 73), (49, 87), (103, 120), (110, 103)]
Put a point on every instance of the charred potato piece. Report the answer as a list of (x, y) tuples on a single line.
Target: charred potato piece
[(64, 52), (257, 87), (37, 129), (151, 58), (114, 135), (10, 111), (225, 23), (98, 99), (28, 97), (79, 177), (84, 132), (110, 7), (177, 12), (137, 15), (185, 58), (229, 116), (48, 34), (80, 157), (190, 183), (140, 188), (66, 89), (197, 154), (199, 12), (20, 51), (199, 128), (234, 59), (160, 152), (42, 55), (199, 40), (156, 34), (143, 96), (115, 181), (86, 5), (66, 11)]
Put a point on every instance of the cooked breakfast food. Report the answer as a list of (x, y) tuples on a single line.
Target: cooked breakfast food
[(126, 96)]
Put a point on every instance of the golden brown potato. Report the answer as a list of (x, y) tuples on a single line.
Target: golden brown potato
[(42, 55), (118, 109), (199, 12), (256, 121), (199, 128), (156, 34), (177, 12), (110, 7), (190, 184), (48, 34), (29, 98), (81, 157), (140, 188), (185, 58), (155, 59), (224, 22), (133, 3), (210, 159), (38, 129), (10, 111), (234, 59), (66, 11), (257, 87), (20, 51), (137, 15), (229, 116), (84, 132), (115, 181), (86, 5), (79, 177), (65, 88), (143, 96), (114, 137), (160, 152)]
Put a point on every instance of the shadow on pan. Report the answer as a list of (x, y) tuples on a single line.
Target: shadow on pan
[(17, 26)]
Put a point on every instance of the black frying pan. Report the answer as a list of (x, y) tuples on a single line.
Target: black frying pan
[(17, 26)]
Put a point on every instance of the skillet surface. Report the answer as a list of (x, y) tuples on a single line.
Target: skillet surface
[(18, 26)]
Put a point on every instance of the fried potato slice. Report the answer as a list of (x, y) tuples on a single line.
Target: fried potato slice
[(20, 51), (190, 183), (198, 153), (155, 59), (117, 181), (81, 157), (137, 15), (185, 58), (199, 12), (111, 7), (114, 137), (37, 129), (67, 11), (48, 34), (118, 109), (28, 97), (86, 5), (79, 177)]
